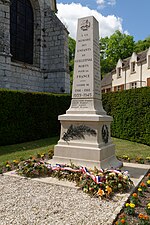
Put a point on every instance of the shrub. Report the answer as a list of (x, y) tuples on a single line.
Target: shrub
[(130, 110), (26, 116)]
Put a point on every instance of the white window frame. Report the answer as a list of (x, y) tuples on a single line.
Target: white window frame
[(133, 85), (133, 64), (118, 88), (118, 72)]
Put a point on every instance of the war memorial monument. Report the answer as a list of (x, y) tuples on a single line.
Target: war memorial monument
[(85, 137)]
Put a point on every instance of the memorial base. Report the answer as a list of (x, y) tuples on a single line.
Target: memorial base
[(90, 150)]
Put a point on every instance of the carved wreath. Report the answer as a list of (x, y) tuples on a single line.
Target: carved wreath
[(105, 133), (78, 132)]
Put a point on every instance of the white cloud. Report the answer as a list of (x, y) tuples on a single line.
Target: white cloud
[(104, 3), (100, 2), (112, 2), (69, 14)]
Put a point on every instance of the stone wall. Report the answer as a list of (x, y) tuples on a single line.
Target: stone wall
[(50, 69)]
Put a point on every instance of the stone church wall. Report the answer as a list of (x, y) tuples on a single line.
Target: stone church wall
[(50, 69)]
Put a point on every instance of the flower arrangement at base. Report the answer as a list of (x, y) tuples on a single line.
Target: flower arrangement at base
[(32, 168), (121, 220), (147, 209), (100, 192), (143, 219), (102, 183), (106, 182), (134, 199), (130, 208)]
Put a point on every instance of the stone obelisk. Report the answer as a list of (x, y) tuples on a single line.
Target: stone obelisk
[(85, 128)]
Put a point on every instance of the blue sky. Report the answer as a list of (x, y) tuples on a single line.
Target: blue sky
[(129, 16)]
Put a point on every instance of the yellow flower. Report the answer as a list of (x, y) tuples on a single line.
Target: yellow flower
[(100, 192), (148, 205), (127, 204), (140, 189), (120, 175), (112, 174), (125, 177), (100, 174), (148, 182), (15, 161), (132, 205), (7, 165), (108, 189)]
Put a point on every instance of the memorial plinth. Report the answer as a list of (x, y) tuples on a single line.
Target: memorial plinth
[(85, 128)]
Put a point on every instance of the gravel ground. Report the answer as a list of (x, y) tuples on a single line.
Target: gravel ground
[(29, 202)]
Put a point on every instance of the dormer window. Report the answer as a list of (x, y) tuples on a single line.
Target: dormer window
[(133, 67), (118, 72)]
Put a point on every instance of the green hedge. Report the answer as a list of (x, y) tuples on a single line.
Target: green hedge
[(26, 116), (131, 114)]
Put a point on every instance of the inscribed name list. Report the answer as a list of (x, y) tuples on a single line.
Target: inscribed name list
[(86, 83)]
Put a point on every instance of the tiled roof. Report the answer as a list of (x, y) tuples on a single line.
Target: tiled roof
[(107, 80), (141, 56), (126, 62)]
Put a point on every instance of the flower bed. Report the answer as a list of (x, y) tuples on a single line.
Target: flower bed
[(126, 158), (137, 209)]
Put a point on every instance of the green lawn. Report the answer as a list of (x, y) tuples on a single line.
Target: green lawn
[(25, 150), (131, 149)]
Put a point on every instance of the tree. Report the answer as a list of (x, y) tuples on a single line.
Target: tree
[(117, 46), (112, 48), (142, 45), (72, 46)]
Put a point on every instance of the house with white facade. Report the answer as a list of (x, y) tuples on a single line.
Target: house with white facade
[(133, 72), (106, 83)]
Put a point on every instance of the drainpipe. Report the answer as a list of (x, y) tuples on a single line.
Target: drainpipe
[(125, 79), (141, 75)]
